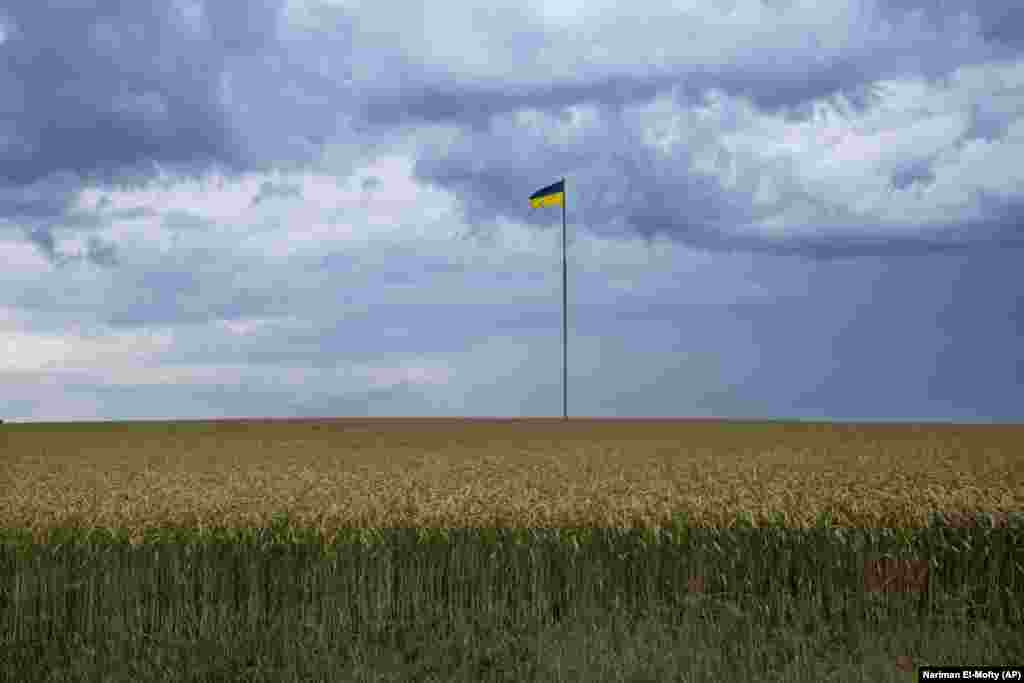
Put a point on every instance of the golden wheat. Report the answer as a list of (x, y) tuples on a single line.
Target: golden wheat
[(331, 474)]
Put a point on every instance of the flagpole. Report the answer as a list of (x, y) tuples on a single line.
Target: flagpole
[(565, 327)]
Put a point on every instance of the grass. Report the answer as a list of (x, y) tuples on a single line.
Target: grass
[(506, 550), (503, 605)]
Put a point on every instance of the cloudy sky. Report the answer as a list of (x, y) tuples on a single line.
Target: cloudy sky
[(776, 208)]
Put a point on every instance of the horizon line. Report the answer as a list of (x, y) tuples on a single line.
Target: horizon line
[(537, 418)]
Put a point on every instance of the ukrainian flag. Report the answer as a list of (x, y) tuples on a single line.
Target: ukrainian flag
[(552, 195)]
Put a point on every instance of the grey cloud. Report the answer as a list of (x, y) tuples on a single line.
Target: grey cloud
[(111, 91), (114, 93), (1002, 21), (1004, 24), (269, 190), (916, 172), (664, 198), (39, 201), (238, 401), (363, 404), (134, 86), (624, 185), (979, 236), (771, 91), (162, 297), (102, 253), (115, 215), (183, 220), (98, 252), (43, 238), (849, 75), (477, 106), (120, 86), (990, 119), (253, 32)]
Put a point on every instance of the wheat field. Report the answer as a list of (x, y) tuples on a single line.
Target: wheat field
[(538, 473)]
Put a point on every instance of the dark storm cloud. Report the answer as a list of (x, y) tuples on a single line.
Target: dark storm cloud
[(662, 196), (112, 90), (773, 85), (625, 184), (655, 198), (1000, 230), (115, 93), (1002, 21), (476, 106), (38, 211), (112, 84), (769, 88), (252, 31), (27, 206)]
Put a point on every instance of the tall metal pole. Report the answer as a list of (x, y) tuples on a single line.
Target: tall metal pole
[(565, 308)]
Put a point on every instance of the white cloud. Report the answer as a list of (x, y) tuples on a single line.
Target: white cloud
[(19, 258), (814, 175), (26, 351)]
